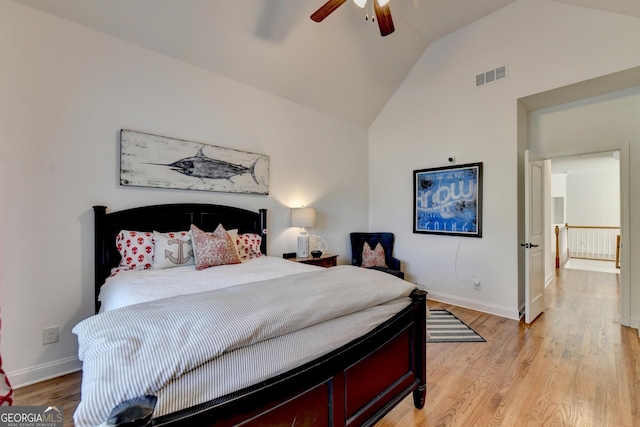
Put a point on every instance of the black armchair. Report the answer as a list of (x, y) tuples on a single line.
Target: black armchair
[(386, 241)]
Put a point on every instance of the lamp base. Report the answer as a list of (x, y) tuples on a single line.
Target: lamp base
[(303, 246)]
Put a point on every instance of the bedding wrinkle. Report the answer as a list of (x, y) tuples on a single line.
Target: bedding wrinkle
[(132, 287), (163, 339)]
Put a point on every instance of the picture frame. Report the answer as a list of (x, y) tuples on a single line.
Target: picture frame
[(148, 160), (448, 200)]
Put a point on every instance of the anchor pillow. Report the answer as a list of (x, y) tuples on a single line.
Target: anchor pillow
[(172, 249)]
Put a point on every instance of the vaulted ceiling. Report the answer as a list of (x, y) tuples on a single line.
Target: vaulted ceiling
[(341, 66)]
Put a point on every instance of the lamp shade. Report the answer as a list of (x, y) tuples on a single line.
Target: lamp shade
[(303, 217)]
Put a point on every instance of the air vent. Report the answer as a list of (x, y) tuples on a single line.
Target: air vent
[(491, 76)]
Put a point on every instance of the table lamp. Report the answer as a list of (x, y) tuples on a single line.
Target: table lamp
[(303, 217)]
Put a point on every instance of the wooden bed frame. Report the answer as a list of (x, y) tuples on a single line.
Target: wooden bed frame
[(355, 385)]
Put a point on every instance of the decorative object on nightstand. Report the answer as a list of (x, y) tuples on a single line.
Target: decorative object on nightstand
[(303, 218), (318, 245)]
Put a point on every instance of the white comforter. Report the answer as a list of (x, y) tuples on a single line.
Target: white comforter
[(143, 348), (132, 287)]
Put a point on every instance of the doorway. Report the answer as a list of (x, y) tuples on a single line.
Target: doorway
[(583, 118), (585, 212)]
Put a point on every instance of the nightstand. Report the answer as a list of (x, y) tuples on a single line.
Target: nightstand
[(325, 260)]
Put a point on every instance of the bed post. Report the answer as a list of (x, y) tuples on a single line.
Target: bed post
[(263, 230), (100, 213), (420, 392)]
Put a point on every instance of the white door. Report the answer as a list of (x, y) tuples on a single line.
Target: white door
[(534, 237)]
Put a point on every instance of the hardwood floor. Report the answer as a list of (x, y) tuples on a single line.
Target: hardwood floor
[(62, 392), (574, 366)]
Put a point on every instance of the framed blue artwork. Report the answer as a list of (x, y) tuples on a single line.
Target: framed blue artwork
[(448, 200)]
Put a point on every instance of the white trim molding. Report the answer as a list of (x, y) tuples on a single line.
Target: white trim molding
[(38, 373), (497, 310), (634, 322)]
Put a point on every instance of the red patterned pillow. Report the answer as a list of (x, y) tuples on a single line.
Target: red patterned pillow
[(136, 249), (213, 249), (373, 258), (249, 246)]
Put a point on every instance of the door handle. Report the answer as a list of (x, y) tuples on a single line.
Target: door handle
[(529, 245)]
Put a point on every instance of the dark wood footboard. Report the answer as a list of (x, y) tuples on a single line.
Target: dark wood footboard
[(355, 385)]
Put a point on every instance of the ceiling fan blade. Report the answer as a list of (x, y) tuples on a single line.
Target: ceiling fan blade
[(326, 9), (385, 22)]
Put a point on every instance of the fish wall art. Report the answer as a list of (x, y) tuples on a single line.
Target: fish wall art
[(157, 161)]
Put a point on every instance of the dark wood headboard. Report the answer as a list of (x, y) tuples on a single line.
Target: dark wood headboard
[(164, 218)]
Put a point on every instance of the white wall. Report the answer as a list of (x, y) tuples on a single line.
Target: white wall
[(593, 198), (438, 111), (559, 186), (66, 91), (594, 124)]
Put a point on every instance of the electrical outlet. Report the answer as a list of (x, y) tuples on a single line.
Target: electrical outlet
[(50, 335), (476, 283)]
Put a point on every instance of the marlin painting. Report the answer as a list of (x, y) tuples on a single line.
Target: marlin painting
[(157, 161), (201, 166)]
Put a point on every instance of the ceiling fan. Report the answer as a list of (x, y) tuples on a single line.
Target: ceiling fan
[(381, 7)]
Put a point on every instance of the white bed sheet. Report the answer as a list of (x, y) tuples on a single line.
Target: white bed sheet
[(132, 287)]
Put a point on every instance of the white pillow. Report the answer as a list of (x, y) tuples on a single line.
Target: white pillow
[(136, 249), (173, 249), (249, 246)]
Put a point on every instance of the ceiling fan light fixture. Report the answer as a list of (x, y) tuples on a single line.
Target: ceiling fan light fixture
[(380, 8)]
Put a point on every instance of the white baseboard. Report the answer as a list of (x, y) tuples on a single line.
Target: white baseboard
[(549, 279), (521, 310), (36, 374), (509, 313), (634, 322)]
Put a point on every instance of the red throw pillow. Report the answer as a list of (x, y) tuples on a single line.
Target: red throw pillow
[(373, 258), (213, 249)]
